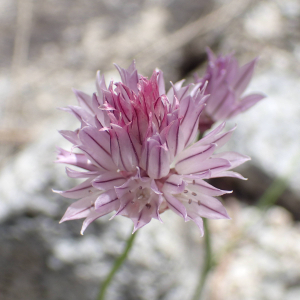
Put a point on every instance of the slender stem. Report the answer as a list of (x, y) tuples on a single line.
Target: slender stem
[(118, 263), (208, 262)]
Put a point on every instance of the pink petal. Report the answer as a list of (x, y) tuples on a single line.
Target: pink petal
[(79, 209), (100, 84), (125, 188), (175, 139), (218, 139), (175, 205), (174, 185), (81, 114), (125, 203), (154, 187), (108, 180), (92, 137), (75, 159), (214, 165), (228, 174), (234, 158), (178, 91), (76, 174), (95, 214), (84, 100), (244, 76), (157, 159), (209, 207), (82, 190), (147, 213), (202, 187), (189, 112), (246, 103), (161, 82), (106, 198), (101, 115), (210, 54), (224, 108), (123, 151), (210, 137), (71, 136), (96, 148), (198, 220), (129, 76), (190, 160)]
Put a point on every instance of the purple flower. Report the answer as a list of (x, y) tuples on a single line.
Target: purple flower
[(139, 156), (226, 82)]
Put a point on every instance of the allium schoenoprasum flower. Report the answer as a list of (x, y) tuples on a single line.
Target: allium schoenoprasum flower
[(139, 156), (226, 82)]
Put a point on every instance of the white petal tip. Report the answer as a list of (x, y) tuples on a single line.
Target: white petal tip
[(112, 217), (57, 192)]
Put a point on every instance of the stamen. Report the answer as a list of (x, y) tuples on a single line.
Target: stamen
[(194, 194), (140, 187), (148, 205), (190, 201), (194, 181), (130, 191), (185, 191), (90, 191), (199, 203)]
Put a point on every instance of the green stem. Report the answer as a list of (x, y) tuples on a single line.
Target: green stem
[(208, 262), (118, 263)]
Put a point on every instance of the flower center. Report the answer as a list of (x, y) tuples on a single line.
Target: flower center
[(142, 194)]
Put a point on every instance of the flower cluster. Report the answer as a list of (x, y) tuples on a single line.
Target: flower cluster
[(226, 82), (140, 155)]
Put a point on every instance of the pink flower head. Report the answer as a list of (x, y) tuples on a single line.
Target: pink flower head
[(226, 82), (139, 156)]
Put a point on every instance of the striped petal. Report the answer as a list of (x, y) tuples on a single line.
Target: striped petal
[(234, 158), (244, 76), (95, 148), (190, 160), (84, 100), (82, 190), (199, 186), (106, 198), (129, 76), (208, 207), (79, 209), (175, 205), (156, 159), (174, 185), (228, 174), (71, 136), (95, 214), (75, 159), (76, 174), (123, 151), (108, 180)]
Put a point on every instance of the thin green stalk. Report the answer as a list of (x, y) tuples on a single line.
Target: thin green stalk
[(274, 191), (208, 262), (118, 263)]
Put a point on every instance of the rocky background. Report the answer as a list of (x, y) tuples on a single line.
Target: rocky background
[(47, 47)]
